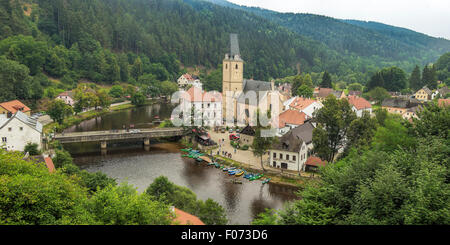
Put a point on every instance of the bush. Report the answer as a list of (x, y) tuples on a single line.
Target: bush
[(32, 149), (245, 147)]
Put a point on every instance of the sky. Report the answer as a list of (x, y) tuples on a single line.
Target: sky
[(431, 17)]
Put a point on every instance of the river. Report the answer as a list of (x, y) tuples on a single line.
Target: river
[(130, 162)]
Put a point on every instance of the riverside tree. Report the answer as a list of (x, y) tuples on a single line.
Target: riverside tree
[(58, 110)]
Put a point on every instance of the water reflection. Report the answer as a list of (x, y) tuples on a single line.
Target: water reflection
[(128, 161)]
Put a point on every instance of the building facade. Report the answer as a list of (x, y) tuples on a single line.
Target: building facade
[(19, 130)]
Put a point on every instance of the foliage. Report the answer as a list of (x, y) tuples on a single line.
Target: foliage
[(210, 212), (377, 94), (138, 99), (58, 110), (391, 78), (334, 120), (400, 179), (32, 149), (261, 145), (326, 80)]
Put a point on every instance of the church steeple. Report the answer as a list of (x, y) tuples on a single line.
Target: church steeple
[(233, 67)]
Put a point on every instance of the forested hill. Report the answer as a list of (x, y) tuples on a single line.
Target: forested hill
[(196, 32), (360, 38)]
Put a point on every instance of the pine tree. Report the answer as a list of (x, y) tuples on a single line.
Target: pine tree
[(326, 80), (415, 81)]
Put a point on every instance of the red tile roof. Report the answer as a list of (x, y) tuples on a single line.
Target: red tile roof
[(201, 95), (14, 106), (293, 117), (50, 165), (315, 161), (324, 92), (359, 102), (188, 77), (184, 218), (301, 103)]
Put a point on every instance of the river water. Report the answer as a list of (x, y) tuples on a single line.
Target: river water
[(130, 162)]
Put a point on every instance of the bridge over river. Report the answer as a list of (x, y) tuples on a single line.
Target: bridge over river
[(116, 135)]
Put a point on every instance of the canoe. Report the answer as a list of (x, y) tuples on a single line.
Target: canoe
[(186, 150), (239, 173), (231, 172)]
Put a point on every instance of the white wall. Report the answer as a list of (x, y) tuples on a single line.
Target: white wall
[(299, 162), (17, 139)]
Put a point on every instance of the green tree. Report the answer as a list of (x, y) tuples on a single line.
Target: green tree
[(137, 68), (415, 80), (305, 91), (261, 145), (58, 110), (138, 99), (116, 91), (326, 80), (32, 149), (334, 120), (378, 94)]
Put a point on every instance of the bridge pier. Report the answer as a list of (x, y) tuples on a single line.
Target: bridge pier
[(103, 145), (147, 141)]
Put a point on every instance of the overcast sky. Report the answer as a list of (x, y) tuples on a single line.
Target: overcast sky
[(431, 17)]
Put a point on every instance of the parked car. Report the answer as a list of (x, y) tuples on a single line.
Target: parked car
[(222, 130), (234, 137)]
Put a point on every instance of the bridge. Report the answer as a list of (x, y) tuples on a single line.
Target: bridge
[(116, 135)]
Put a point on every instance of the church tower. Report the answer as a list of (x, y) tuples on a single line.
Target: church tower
[(233, 68), (233, 72)]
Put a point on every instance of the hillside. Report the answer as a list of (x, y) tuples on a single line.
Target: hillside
[(377, 41)]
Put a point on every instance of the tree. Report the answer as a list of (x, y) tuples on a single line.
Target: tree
[(326, 81), (138, 99), (12, 76), (355, 87), (58, 110), (361, 131), (305, 91), (429, 76), (376, 80), (378, 94), (116, 91), (415, 80), (32, 149), (334, 120), (103, 98), (168, 88), (261, 145), (137, 68)]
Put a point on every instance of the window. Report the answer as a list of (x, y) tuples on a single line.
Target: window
[(294, 158), (274, 164), (274, 155), (9, 129), (281, 156), (284, 165), (287, 157), (4, 140), (21, 128), (237, 67)]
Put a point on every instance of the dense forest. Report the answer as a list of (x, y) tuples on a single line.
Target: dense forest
[(147, 42)]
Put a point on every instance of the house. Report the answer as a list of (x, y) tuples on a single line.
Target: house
[(285, 88), (411, 112), (188, 79), (313, 162), (290, 119), (440, 93), (423, 94), (183, 218), (398, 105), (68, 97), (19, 130), (247, 135), (289, 153), (208, 103), (359, 105), (321, 93), (305, 132), (308, 106), (11, 107)]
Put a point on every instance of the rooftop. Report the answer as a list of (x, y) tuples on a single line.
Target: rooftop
[(292, 117), (315, 161), (301, 103), (359, 102), (14, 106), (184, 218)]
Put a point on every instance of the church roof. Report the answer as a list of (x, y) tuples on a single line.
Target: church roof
[(234, 45), (253, 85)]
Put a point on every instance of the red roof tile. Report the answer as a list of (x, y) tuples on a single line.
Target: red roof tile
[(315, 161), (293, 117), (184, 218), (301, 103), (359, 102), (201, 95), (50, 165), (444, 102), (14, 106)]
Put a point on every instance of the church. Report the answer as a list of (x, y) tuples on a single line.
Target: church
[(241, 97)]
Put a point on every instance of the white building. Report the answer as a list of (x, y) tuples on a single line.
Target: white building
[(359, 105), (290, 153), (19, 130), (187, 79), (68, 97), (308, 106), (208, 103)]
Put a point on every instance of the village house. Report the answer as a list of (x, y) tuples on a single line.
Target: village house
[(305, 132), (290, 119), (285, 88), (440, 93), (68, 97), (321, 93), (308, 106), (423, 94), (313, 163), (247, 135), (289, 153), (19, 130), (11, 107), (411, 112), (187, 79), (359, 105), (209, 103), (399, 106)]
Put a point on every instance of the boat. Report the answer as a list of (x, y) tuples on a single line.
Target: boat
[(231, 172), (198, 159), (186, 150), (266, 181), (257, 177), (239, 173)]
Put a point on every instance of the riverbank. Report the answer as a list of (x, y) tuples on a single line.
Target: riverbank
[(76, 119)]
